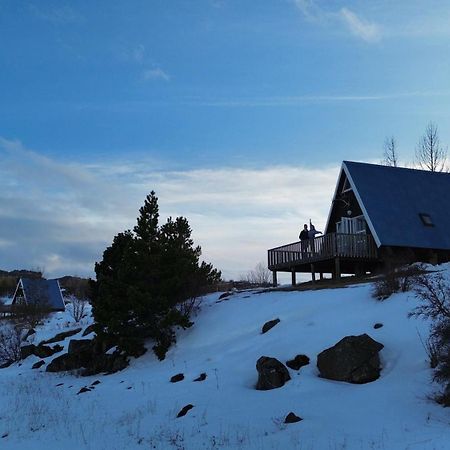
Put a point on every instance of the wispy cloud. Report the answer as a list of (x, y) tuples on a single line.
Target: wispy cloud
[(61, 14), (62, 216), (355, 23), (368, 31), (155, 74)]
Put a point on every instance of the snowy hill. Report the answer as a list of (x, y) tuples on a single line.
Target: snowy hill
[(137, 408)]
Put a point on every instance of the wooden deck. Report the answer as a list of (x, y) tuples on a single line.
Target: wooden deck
[(329, 247)]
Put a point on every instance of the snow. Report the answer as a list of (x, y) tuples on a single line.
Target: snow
[(137, 408)]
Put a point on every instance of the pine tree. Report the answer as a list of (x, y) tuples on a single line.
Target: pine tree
[(147, 280)]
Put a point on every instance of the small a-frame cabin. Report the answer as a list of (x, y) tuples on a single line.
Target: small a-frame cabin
[(379, 216), (46, 293)]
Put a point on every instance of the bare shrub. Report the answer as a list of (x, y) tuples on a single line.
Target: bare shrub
[(77, 307), (433, 292), (401, 279), (10, 341)]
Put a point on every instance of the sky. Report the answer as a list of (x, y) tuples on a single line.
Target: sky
[(237, 113)]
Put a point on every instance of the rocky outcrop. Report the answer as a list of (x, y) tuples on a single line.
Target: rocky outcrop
[(298, 362), (41, 351), (269, 325), (90, 356), (38, 364), (353, 359), (61, 336), (272, 374)]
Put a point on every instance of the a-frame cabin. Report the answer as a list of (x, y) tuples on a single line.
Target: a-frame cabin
[(379, 216), (41, 292)]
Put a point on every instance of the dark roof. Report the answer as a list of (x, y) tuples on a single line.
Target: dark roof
[(393, 199), (43, 291)]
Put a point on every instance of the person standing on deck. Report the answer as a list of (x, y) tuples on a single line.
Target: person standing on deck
[(304, 236), (312, 234)]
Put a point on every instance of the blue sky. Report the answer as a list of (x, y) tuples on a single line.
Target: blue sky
[(196, 96)]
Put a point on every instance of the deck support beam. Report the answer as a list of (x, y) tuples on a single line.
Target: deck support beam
[(293, 277), (337, 268), (313, 273), (274, 278)]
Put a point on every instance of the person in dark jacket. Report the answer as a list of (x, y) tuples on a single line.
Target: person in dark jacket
[(304, 236)]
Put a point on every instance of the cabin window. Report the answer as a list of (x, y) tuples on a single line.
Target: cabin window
[(346, 186), (426, 220)]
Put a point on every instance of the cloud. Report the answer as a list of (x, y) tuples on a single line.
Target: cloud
[(155, 74), (61, 14), (61, 216), (359, 27), (369, 32)]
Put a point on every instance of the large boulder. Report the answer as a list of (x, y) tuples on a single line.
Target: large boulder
[(272, 373), (353, 359)]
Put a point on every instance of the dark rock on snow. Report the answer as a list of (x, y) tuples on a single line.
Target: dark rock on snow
[(272, 373), (94, 383), (202, 377), (83, 390), (269, 325), (41, 351), (298, 362), (30, 332), (353, 359), (89, 330), (38, 364), (378, 325), (176, 378), (61, 336), (184, 410), (225, 295), (292, 418), (5, 364)]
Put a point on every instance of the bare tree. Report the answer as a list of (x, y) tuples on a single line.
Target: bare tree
[(10, 342), (260, 275), (390, 155), (429, 153)]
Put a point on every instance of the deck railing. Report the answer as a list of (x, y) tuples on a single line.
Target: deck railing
[(328, 246)]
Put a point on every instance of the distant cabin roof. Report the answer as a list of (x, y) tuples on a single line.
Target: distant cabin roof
[(405, 207), (43, 291)]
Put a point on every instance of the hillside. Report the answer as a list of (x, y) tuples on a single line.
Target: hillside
[(137, 408)]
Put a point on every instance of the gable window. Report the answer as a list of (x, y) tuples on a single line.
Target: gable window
[(426, 219)]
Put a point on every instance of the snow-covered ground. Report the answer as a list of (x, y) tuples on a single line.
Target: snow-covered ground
[(137, 408)]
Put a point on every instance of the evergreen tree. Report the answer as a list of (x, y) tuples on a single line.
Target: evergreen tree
[(147, 280)]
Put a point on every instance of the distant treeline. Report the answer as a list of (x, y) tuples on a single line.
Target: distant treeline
[(76, 286)]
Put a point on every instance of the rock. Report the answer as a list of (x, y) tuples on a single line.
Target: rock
[(272, 373), (59, 384), (298, 362), (30, 332), (225, 295), (38, 364), (41, 351), (5, 435), (90, 329), (176, 378), (83, 390), (378, 325), (202, 377), (353, 359), (269, 325), (292, 418), (80, 345), (94, 383), (184, 410), (61, 336), (64, 363)]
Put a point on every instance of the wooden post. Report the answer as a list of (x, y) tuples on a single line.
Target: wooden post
[(313, 273), (293, 275), (321, 276), (337, 265), (274, 278)]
